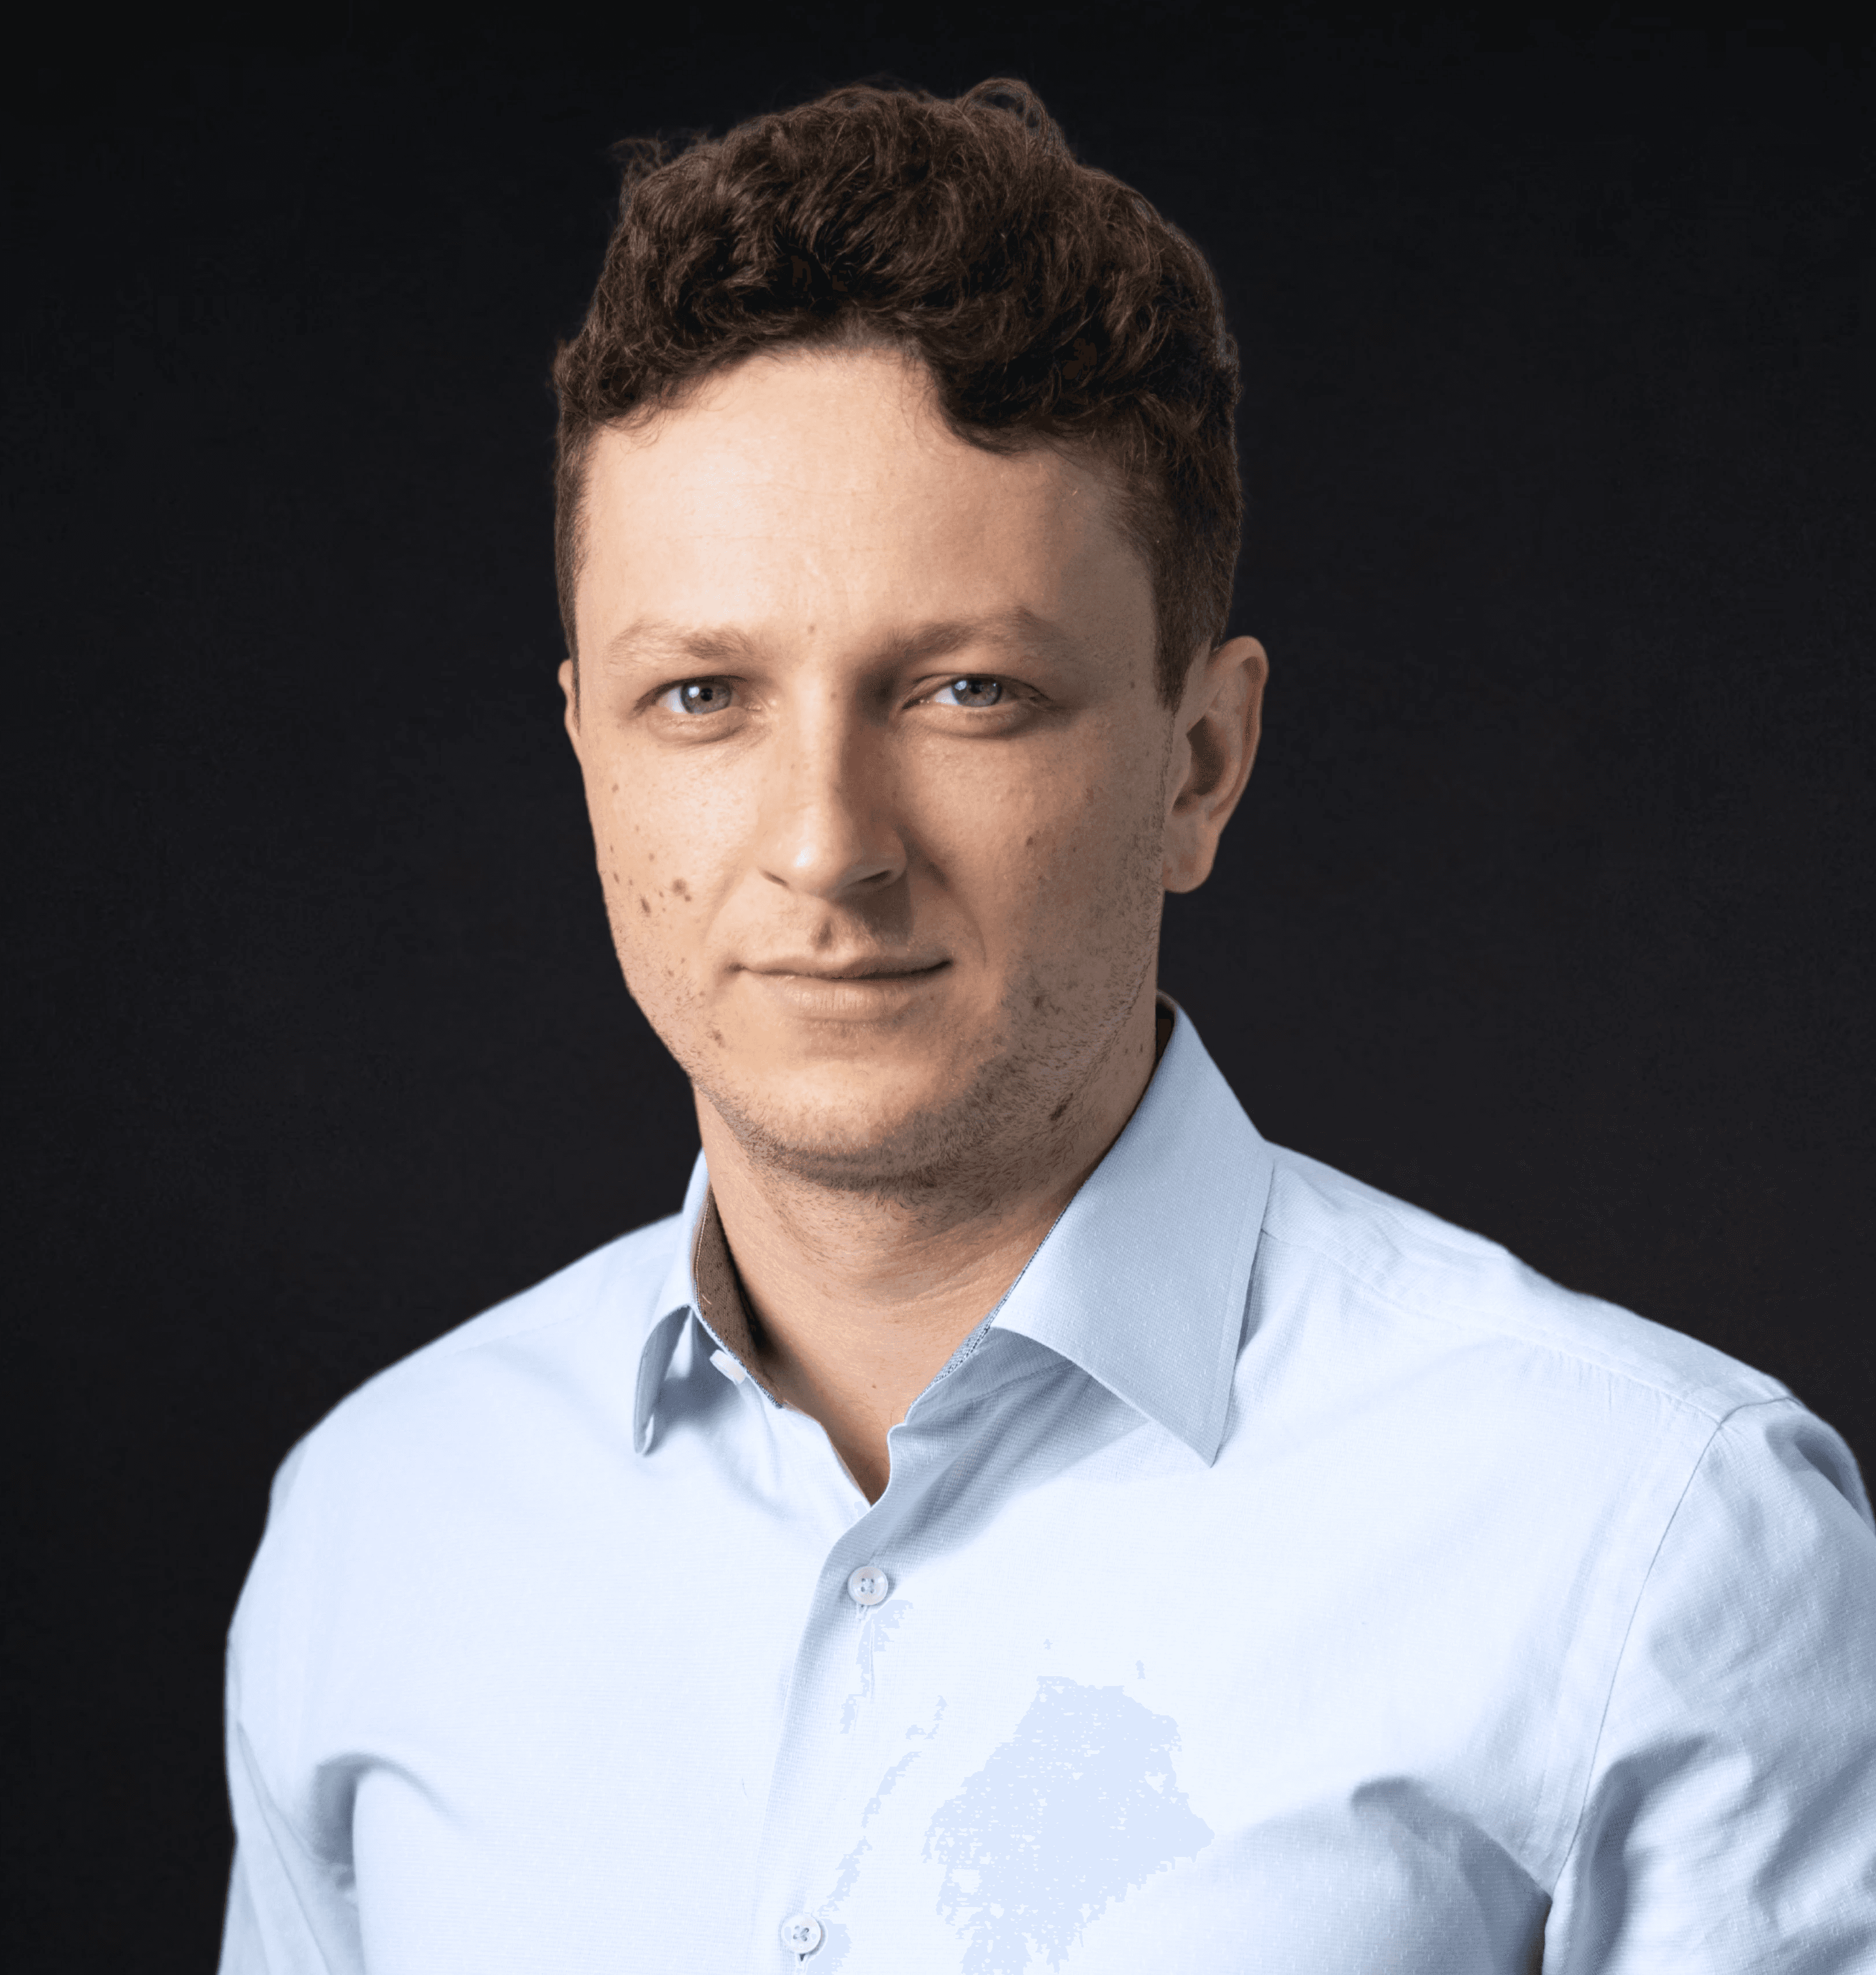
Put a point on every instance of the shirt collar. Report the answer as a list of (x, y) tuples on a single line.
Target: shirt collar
[(678, 1300), (1141, 1281)]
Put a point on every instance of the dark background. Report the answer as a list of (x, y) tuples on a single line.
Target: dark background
[(1549, 907)]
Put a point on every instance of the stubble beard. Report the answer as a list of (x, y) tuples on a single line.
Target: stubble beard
[(1015, 1113), (937, 1162)]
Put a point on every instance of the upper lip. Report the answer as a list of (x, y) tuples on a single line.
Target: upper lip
[(849, 970)]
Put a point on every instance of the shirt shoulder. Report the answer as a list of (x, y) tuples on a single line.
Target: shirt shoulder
[(1614, 1482), (589, 1318), (1458, 1289)]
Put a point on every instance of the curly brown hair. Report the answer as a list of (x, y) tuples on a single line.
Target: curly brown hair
[(1050, 303)]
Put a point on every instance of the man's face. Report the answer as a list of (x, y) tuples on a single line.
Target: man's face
[(877, 770)]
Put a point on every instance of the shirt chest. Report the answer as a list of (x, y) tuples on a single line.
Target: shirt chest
[(1136, 1710)]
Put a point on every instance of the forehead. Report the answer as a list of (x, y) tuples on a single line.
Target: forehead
[(825, 485)]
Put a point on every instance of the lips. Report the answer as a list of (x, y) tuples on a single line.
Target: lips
[(867, 992), (857, 970)]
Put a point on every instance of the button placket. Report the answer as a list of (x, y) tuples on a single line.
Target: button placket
[(844, 1726), (814, 1789), (829, 1757)]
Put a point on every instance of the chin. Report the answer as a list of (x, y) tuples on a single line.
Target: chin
[(868, 1128)]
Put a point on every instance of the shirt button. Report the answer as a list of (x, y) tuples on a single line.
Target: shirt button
[(801, 1934), (869, 1584)]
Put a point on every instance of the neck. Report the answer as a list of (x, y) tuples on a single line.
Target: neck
[(854, 1303)]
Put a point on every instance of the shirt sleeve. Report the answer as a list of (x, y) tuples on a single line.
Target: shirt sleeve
[(1730, 1823), (287, 1912), (290, 1910)]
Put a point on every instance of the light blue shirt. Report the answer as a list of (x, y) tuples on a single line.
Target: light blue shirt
[(1280, 1579)]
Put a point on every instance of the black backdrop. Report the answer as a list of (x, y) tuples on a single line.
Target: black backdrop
[(1548, 907)]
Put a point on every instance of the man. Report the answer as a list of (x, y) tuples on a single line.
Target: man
[(1013, 1517)]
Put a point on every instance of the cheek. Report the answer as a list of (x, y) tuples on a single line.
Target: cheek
[(648, 867), (1065, 852)]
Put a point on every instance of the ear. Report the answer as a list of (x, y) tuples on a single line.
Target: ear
[(1214, 742), (570, 688)]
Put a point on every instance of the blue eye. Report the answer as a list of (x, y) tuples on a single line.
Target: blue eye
[(700, 696), (973, 692)]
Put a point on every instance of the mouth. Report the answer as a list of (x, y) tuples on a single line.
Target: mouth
[(866, 992), (858, 971)]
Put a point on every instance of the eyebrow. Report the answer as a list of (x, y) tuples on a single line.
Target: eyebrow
[(1018, 630)]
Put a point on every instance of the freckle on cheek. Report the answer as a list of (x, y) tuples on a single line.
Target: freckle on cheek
[(681, 890), (644, 905)]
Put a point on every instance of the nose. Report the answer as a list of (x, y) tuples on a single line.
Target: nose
[(828, 830)]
